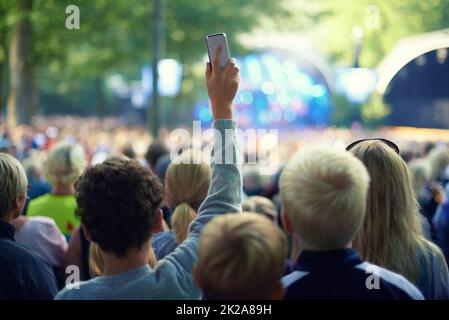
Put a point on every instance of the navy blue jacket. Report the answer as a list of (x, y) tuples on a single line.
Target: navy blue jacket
[(341, 274), (23, 274)]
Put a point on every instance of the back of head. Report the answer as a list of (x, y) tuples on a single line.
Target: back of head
[(260, 205), (32, 169), (64, 164), (391, 235), (323, 192), (129, 152), (240, 256), (13, 182), (155, 151), (187, 182), (118, 202), (420, 173), (439, 160)]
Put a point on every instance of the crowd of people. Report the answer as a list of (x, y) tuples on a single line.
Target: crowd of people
[(367, 220)]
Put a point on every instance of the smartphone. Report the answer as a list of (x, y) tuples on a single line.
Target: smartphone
[(215, 40)]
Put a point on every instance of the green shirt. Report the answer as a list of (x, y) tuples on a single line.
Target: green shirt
[(60, 208)]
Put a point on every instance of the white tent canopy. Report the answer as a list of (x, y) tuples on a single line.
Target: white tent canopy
[(408, 49)]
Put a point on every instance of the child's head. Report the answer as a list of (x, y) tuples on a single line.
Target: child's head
[(64, 164), (323, 193), (186, 184), (118, 204), (261, 205), (241, 256), (13, 187)]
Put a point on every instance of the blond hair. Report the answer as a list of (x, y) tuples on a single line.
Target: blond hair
[(323, 192), (391, 235), (260, 205), (64, 164), (186, 185), (240, 256), (439, 159), (420, 174), (13, 182)]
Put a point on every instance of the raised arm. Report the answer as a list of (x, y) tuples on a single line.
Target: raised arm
[(225, 192)]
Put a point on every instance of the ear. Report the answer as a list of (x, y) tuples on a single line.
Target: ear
[(18, 205), (86, 232), (278, 292), (196, 277), (159, 222), (287, 223)]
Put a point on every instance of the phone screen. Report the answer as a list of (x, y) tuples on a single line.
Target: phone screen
[(215, 40)]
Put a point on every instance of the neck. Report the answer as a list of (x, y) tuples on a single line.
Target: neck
[(19, 222), (9, 217), (59, 189), (307, 247), (134, 258)]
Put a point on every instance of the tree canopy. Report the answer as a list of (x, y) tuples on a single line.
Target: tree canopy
[(68, 68)]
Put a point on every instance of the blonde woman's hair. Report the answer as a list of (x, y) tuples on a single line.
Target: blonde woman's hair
[(391, 235), (13, 182), (420, 174), (187, 182), (96, 261), (64, 164), (439, 160), (240, 256), (323, 192), (261, 205)]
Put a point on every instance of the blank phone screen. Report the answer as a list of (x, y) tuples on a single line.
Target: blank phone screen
[(214, 41)]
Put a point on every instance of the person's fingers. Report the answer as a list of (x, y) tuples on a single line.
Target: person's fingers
[(217, 59), (232, 63), (234, 71), (208, 70)]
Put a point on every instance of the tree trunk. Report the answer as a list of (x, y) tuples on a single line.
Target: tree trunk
[(21, 100), (100, 97), (1, 82)]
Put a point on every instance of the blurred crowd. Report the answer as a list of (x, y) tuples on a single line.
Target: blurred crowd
[(56, 151)]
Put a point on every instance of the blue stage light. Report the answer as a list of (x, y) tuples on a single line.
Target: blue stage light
[(289, 115), (205, 115)]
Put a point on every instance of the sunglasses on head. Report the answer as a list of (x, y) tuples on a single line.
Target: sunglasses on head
[(389, 143)]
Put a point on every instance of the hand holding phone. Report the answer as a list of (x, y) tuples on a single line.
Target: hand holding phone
[(222, 85), (214, 41)]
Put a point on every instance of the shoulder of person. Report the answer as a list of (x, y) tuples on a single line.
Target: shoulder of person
[(163, 235), (396, 280), (38, 201), (73, 291), (44, 226), (42, 221)]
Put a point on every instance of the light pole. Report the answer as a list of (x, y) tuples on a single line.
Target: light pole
[(153, 111), (357, 33)]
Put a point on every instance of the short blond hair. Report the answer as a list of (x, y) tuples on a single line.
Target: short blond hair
[(420, 173), (13, 182), (241, 256), (439, 160), (64, 164), (323, 192), (261, 205)]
